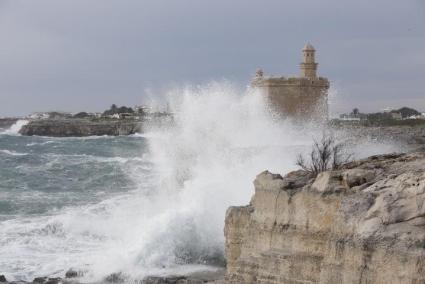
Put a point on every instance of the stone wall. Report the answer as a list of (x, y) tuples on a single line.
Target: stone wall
[(300, 98), (361, 224)]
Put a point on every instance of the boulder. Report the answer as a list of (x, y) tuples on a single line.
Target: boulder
[(329, 182)]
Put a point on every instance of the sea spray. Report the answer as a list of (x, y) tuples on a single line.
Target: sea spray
[(14, 129), (204, 162), (207, 160), (111, 204)]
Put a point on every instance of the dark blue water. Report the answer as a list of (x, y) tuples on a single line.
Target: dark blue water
[(40, 174)]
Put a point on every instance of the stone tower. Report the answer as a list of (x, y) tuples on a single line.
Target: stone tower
[(303, 98), (308, 66)]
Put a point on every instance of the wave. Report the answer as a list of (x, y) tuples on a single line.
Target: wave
[(16, 127), (12, 153), (40, 143)]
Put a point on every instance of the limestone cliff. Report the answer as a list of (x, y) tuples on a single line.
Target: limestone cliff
[(364, 223)]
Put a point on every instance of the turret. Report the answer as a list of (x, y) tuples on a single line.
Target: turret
[(308, 66)]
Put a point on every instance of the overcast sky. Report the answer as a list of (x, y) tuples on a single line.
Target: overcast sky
[(87, 54)]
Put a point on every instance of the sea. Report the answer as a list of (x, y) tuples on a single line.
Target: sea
[(145, 204)]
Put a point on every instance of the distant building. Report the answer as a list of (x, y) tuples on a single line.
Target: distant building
[(126, 115), (142, 109), (114, 116), (349, 117), (304, 97), (396, 115), (388, 109), (39, 115)]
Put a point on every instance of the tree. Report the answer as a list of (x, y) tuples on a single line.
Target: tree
[(408, 112), (117, 110), (82, 114), (356, 112)]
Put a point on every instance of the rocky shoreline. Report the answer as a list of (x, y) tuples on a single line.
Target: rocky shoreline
[(81, 127), (364, 223), (73, 276)]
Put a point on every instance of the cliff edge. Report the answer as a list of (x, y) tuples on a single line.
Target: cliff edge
[(364, 223)]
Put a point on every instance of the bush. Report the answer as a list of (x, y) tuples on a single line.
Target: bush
[(325, 155), (82, 114), (117, 110)]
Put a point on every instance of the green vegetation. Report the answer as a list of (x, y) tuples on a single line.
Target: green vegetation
[(117, 110), (407, 112), (83, 114), (403, 116)]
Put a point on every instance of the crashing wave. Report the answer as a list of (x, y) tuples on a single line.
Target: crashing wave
[(16, 127)]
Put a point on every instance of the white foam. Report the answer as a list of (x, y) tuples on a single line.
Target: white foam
[(12, 153), (40, 143), (14, 129)]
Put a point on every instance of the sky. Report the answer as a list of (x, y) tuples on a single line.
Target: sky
[(75, 55)]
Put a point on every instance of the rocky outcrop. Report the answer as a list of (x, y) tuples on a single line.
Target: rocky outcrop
[(81, 127), (211, 277), (364, 223)]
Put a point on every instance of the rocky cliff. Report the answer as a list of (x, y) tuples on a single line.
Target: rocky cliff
[(364, 223), (80, 127)]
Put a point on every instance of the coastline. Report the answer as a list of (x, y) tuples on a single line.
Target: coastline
[(81, 127)]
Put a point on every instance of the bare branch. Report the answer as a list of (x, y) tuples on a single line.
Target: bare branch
[(325, 155)]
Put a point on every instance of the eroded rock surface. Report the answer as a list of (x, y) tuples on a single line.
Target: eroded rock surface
[(364, 223), (80, 127)]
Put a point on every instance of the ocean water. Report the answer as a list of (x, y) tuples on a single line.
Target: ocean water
[(142, 204)]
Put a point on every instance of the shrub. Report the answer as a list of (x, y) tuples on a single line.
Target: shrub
[(82, 114), (117, 110), (325, 155)]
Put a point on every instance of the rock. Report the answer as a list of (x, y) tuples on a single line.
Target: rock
[(80, 127), (329, 182), (3, 278), (268, 181), (364, 223), (116, 278), (47, 280), (165, 280), (53, 281), (71, 274), (39, 280), (208, 276), (357, 177)]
